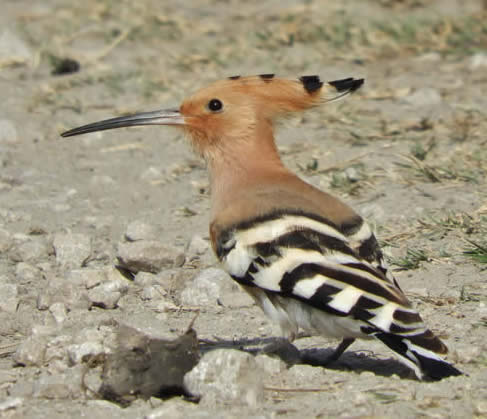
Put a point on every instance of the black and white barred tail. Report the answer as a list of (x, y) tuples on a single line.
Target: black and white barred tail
[(306, 272)]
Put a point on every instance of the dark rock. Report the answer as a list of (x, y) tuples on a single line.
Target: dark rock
[(145, 366)]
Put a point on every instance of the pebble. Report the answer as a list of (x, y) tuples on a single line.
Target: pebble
[(30, 250), (9, 295), (144, 279), (11, 403), (65, 385), (97, 181), (62, 290), (213, 286), (466, 353), (107, 294), (205, 289), (270, 365), (8, 132), (228, 376), (478, 60), (59, 312), (426, 96), (5, 240), (150, 293), (83, 352), (148, 256), (197, 246), (151, 174), (175, 409), (26, 273), (13, 51), (31, 351), (148, 366), (87, 277), (72, 249), (139, 230)]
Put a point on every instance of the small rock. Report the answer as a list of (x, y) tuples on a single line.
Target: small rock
[(43, 301), (62, 290), (83, 352), (205, 289), (59, 312), (270, 365), (87, 277), (11, 403), (30, 250), (26, 273), (425, 96), (144, 279), (213, 286), (31, 351), (71, 249), (480, 408), (138, 230), (224, 375), (92, 380), (5, 240), (429, 57), (175, 409), (9, 296), (478, 60), (352, 174), (151, 174), (466, 353), (107, 294), (197, 246), (147, 366), (13, 51), (65, 385), (8, 132), (150, 293), (101, 180), (148, 256)]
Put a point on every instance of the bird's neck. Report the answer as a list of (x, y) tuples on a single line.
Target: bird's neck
[(241, 164)]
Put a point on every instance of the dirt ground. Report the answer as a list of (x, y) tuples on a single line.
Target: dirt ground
[(408, 151)]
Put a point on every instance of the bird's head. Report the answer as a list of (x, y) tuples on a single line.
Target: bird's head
[(234, 109)]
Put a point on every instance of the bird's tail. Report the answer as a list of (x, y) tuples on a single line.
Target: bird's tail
[(420, 353)]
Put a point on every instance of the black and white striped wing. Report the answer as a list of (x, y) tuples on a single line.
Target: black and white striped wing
[(307, 258)]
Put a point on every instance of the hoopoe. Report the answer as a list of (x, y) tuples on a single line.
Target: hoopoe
[(308, 260)]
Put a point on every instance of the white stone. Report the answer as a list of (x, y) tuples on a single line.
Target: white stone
[(59, 312), (197, 246), (82, 352), (227, 376), (11, 403), (139, 230), (478, 60), (425, 96), (9, 295), (8, 132), (71, 249), (13, 51)]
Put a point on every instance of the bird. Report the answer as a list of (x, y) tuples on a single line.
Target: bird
[(308, 260)]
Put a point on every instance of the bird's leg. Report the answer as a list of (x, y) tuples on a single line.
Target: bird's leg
[(342, 347), (312, 359)]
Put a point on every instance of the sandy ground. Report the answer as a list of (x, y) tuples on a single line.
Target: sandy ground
[(409, 151)]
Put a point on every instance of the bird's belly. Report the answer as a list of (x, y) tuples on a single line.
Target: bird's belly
[(292, 315)]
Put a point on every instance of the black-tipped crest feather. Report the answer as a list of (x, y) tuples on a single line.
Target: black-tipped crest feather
[(311, 83), (350, 84)]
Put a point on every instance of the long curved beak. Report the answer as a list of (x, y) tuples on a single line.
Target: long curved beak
[(161, 117)]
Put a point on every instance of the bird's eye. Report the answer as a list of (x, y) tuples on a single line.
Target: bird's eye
[(215, 105)]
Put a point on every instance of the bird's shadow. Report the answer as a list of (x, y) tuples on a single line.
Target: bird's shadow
[(357, 361)]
